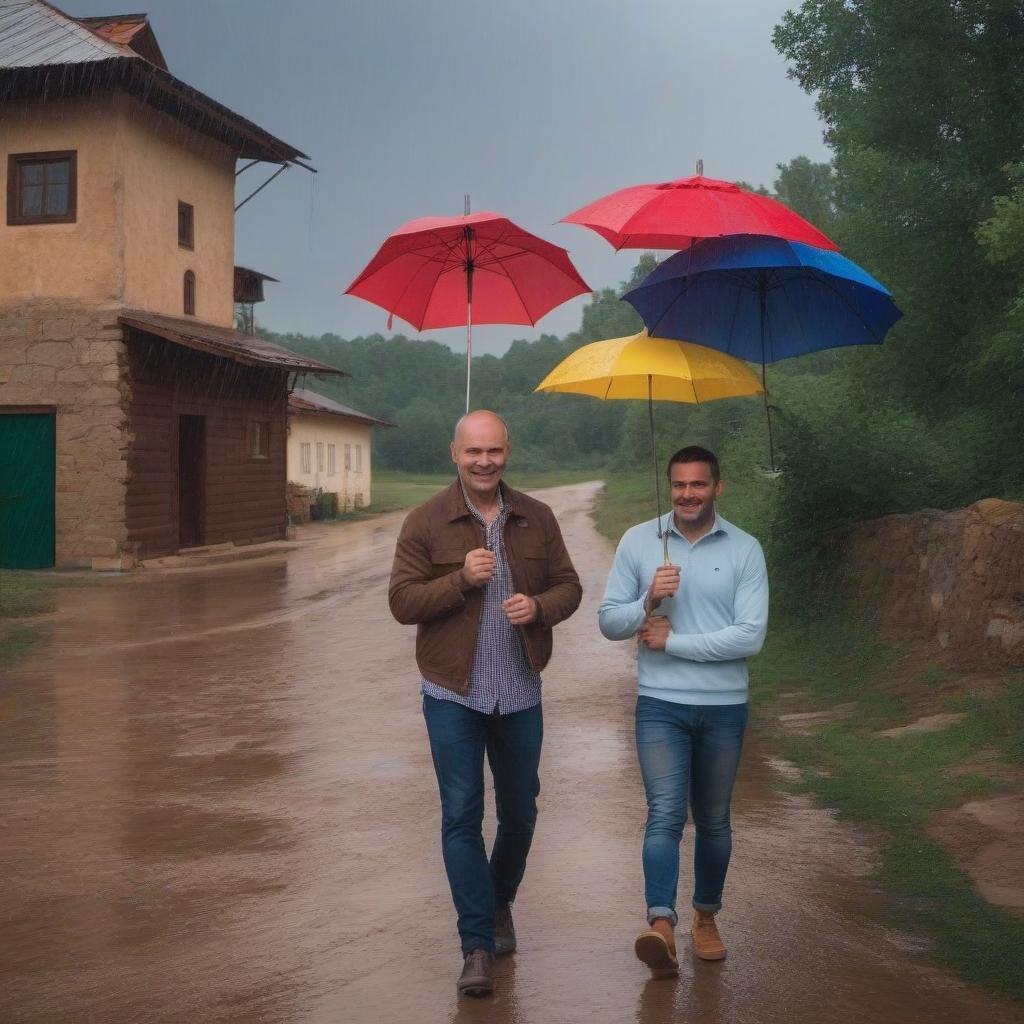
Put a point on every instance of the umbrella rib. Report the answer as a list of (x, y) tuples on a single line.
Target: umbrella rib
[(408, 284), (732, 326), (526, 309), (825, 281), (853, 309), (653, 328)]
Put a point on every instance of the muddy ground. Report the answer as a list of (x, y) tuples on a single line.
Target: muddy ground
[(218, 806)]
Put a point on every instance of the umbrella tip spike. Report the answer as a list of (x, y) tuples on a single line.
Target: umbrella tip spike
[(700, 168)]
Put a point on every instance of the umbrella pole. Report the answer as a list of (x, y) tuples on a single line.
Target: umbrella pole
[(469, 304), (469, 346), (662, 534), (763, 289)]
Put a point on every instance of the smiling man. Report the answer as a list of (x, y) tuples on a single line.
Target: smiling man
[(697, 620), (482, 571)]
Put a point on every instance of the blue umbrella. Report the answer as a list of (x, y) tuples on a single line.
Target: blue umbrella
[(763, 299)]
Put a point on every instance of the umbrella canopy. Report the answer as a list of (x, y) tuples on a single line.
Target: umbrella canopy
[(764, 299), (653, 368), (427, 270), (478, 268), (674, 214), (660, 369)]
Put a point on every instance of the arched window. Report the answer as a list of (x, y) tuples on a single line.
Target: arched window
[(190, 293)]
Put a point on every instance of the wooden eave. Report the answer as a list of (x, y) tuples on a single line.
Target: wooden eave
[(156, 88), (224, 342)]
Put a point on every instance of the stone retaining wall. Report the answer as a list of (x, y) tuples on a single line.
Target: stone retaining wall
[(955, 578), (71, 358)]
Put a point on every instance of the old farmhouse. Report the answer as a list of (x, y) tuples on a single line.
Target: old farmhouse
[(329, 447), (134, 419)]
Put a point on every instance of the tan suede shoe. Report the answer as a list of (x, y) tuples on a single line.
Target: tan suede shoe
[(656, 947), (707, 943)]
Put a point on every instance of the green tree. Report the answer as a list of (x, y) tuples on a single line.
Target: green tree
[(923, 107), (810, 189), (922, 102)]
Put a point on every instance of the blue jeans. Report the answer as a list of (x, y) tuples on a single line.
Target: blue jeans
[(459, 738), (688, 753)]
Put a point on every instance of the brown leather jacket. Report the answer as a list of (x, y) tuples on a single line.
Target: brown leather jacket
[(427, 586)]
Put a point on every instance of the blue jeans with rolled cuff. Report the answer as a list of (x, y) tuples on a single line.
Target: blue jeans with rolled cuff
[(688, 755), (459, 740)]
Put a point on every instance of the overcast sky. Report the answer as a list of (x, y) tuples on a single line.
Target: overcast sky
[(533, 107)]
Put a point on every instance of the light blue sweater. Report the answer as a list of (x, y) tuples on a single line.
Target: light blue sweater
[(717, 619)]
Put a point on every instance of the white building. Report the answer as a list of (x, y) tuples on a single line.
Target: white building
[(329, 447)]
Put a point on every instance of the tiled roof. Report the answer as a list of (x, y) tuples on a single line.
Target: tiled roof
[(33, 34), (129, 30), (302, 400), (44, 52), (223, 341)]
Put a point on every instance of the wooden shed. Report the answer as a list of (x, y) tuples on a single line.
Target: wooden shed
[(208, 411)]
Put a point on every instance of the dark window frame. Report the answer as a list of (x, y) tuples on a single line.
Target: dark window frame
[(188, 288), (15, 162), (186, 240), (259, 440)]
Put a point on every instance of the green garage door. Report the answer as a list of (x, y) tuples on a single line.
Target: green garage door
[(28, 475)]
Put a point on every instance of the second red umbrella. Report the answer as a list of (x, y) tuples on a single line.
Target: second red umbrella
[(673, 214), (454, 271)]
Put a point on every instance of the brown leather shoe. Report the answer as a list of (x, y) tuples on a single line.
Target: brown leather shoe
[(656, 947), (477, 978), (707, 943)]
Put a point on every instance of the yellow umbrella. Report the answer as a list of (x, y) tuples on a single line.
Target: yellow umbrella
[(658, 369)]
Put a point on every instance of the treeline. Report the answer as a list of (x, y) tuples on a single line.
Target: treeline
[(923, 107), (420, 385)]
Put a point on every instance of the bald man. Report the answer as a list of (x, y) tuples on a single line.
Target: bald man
[(482, 572)]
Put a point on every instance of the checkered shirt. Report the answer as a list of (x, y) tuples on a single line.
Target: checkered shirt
[(501, 679)]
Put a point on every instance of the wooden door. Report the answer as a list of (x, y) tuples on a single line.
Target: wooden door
[(191, 480)]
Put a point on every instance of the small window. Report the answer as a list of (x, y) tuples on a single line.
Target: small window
[(259, 439), (332, 466), (186, 225), (348, 458), (190, 293), (359, 458), (42, 188), (319, 456), (305, 457)]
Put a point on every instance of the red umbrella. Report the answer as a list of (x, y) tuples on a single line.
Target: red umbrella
[(673, 214), (479, 268)]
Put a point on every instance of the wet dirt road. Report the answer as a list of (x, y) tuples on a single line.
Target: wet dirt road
[(218, 806)]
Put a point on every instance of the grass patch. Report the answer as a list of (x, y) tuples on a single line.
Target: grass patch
[(898, 784), (830, 656), (394, 491), (24, 596)]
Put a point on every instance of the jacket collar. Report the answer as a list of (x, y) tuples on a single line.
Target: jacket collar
[(455, 502)]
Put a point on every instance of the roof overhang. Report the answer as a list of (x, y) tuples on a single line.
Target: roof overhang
[(307, 403), (224, 342), (157, 89)]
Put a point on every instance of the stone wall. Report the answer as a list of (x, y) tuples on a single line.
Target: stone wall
[(954, 578), (71, 358)]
